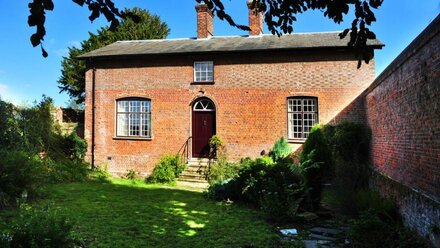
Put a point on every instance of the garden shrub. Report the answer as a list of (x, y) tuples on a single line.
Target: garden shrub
[(39, 228), (372, 230), (167, 169), (64, 170), (220, 170), (10, 133), (278, 189), (20, 173), (130, 175), (280, 150), (283, 192), (100, 173), (75, 147), (316, 161)]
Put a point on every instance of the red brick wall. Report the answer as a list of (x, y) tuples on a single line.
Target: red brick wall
[(402, 109), (250, 92)]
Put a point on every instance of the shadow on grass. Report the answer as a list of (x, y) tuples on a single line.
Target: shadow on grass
[(121, 214)]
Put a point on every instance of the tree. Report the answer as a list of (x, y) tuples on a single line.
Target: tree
[(279, 16), (73, 70)]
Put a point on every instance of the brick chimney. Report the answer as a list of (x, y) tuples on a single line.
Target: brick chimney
[(255, 19), (205, 22)]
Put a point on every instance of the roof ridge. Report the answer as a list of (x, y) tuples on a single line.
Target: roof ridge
[(224, 36)]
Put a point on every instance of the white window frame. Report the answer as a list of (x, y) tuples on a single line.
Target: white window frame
[(142, 116), (300, 120), (210, 65)]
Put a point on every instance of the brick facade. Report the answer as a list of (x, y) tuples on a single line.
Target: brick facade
[(249, 91)]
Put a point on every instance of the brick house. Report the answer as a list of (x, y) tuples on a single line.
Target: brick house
[(148, 98)]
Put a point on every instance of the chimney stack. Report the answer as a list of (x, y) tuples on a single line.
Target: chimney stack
[(205, 22), (255, 18)]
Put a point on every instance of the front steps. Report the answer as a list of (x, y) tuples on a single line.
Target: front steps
[(195, 172)]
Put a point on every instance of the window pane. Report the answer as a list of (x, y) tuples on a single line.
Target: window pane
[(122, 125), (122, 106)]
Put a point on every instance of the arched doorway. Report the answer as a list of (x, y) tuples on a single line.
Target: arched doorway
[(203, 126)]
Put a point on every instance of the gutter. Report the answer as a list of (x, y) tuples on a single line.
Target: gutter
[(93, 115)]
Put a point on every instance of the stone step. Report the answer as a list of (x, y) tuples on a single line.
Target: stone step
[(195, 170), (192, 180), (325, 231), (192, 174), (197, 164), (321, 237)]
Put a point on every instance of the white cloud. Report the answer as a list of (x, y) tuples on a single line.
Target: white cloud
[(62, 52), (74, 43), (3, 88)]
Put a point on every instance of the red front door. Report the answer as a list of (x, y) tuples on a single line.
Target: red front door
[(203, 128)]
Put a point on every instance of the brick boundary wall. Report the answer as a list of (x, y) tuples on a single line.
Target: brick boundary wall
[(402, 109)]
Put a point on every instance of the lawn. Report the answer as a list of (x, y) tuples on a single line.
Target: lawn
[(126, 214)]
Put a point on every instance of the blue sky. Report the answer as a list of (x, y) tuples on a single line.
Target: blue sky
[(25, 75)]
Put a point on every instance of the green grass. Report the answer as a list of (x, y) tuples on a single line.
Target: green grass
[(126, 214)]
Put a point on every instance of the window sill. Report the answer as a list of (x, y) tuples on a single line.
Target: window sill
[(202, 83), (131, 138), (296, 141)]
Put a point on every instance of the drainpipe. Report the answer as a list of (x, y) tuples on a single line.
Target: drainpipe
[(93, 115)]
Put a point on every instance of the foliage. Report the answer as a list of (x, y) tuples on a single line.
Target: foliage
[(371, 230), (10, 134), (34, 152), (76, 147), (280, 150), (167, 169), (20, 175), (39, 228), (279, 17), (276, 188), (217, 147), (349, 141), (283, 192), (316, 161), (37, 127), (100, 173), (64, 170), (220, 170), (130, 175), (72, 78)]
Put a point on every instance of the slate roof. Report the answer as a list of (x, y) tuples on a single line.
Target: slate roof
[(217, 44)]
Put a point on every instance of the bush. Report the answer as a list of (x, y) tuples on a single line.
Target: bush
[(221, 171), (39, 228), (371, 230), (167, 170), (283, 192), (75, 147), (20, 173), (64, 170), (278, 189), (280, 150), (316, 161), (100, 173)]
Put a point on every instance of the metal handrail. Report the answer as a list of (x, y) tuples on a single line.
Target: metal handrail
[(183, 152)]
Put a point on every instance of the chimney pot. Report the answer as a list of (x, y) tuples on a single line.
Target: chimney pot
[(205, 21), (255, 18)]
